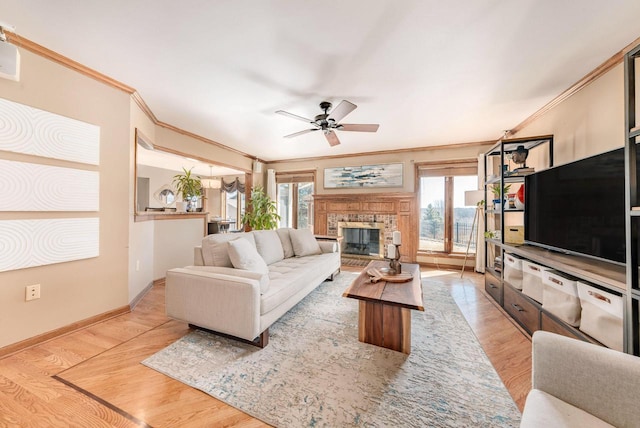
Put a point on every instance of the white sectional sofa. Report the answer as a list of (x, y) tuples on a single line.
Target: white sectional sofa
[(241, 283)]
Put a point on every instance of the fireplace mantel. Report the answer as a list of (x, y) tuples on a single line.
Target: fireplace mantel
[(400, 207)]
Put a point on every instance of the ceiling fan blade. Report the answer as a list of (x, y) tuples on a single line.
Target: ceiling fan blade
[(332, 138), (344, 108), (295, 134), (359, 127), (294, 116)]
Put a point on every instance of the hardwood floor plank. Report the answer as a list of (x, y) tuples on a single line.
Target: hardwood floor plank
[(93, 376)]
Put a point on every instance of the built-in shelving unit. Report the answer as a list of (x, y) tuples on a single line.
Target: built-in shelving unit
[(501, 170), (632, 202)]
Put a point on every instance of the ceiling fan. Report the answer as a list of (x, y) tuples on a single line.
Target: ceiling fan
[(329, 122)]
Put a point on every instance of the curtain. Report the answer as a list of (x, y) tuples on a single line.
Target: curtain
[(271, 184), (233, 186), (480, 247)]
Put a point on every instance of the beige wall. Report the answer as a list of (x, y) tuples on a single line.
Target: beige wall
[(173, 243), (408, 159), (128, 260), (141, 234), (589, 122), (172, 140), (80, 289)]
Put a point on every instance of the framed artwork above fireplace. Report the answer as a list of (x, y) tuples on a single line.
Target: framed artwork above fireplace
[(381, 175)]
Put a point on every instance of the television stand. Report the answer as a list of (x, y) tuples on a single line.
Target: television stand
[(529, 313)]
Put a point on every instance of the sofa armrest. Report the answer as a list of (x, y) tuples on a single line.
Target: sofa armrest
[(598, 380), (328, 246), (205, 297)]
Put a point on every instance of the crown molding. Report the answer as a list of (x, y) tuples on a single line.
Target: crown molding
[(599, 71), (27, 44), (40, 50), (24, 43)]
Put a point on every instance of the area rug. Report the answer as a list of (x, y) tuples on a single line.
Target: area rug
[(315, 372)]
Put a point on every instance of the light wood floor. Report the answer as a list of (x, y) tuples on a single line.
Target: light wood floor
[(92, 377)]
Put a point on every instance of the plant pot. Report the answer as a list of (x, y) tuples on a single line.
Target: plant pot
[(181, 207)]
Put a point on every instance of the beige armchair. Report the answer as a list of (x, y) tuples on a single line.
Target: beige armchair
[(578, 384)]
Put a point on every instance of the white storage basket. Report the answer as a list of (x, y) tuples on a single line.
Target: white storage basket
[(513, 270), (560, 297), (601, 315), (532, 280)]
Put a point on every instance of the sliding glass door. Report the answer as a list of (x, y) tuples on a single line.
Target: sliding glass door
[(445, 222)]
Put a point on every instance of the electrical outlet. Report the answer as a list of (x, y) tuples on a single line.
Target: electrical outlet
[(137, 265), (32, 292)]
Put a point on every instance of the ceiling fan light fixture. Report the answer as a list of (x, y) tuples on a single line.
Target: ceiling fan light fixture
[(211, 183), (328, 122)]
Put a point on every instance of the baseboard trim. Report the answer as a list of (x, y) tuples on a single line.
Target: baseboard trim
[(140, 295), (45, 337)]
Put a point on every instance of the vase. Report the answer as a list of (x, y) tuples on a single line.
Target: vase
[(520, 198)]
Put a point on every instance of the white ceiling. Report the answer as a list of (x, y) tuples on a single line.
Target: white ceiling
[(430, 72)]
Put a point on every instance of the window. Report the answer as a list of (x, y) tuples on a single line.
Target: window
[(233, 204), (295, 199), (445, 222)]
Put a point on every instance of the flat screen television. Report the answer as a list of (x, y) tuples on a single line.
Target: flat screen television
[(579, 207)]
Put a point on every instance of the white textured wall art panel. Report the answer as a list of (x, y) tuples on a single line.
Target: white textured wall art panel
[(25, 129), (29, 243), (33, 187)]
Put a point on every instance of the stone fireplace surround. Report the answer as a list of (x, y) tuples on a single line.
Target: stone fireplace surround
[(397, 210), (387, 224)]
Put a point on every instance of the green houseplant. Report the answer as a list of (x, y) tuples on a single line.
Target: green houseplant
[(498, 193), (189, 186), (261, 213)]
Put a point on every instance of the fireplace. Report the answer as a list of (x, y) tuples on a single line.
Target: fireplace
[(362, 239)]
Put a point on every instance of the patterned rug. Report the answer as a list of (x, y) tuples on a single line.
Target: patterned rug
[(315, 372)]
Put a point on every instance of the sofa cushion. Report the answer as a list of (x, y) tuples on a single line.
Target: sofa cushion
[(243, 255), (262, 278), (215, 251), (545, 410), (304, 243), (288, 276), (285, 240), (268, 245)]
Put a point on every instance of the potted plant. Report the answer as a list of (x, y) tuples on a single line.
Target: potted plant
[(498, 193), (261, 212), (189, 186)]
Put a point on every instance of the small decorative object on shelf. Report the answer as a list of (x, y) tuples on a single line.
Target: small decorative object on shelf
[(519, 156), (393, 254)]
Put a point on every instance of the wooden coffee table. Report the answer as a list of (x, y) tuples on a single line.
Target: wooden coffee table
[(384, 317)]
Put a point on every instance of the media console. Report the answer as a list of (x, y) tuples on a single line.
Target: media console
[(530, 314)]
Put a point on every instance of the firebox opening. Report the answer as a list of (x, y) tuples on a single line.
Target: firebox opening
[(362, 239)]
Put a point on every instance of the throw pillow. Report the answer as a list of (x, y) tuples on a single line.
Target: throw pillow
[(243, 255), (268, 245), (287, 248), (215, 251), (303, 242)]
